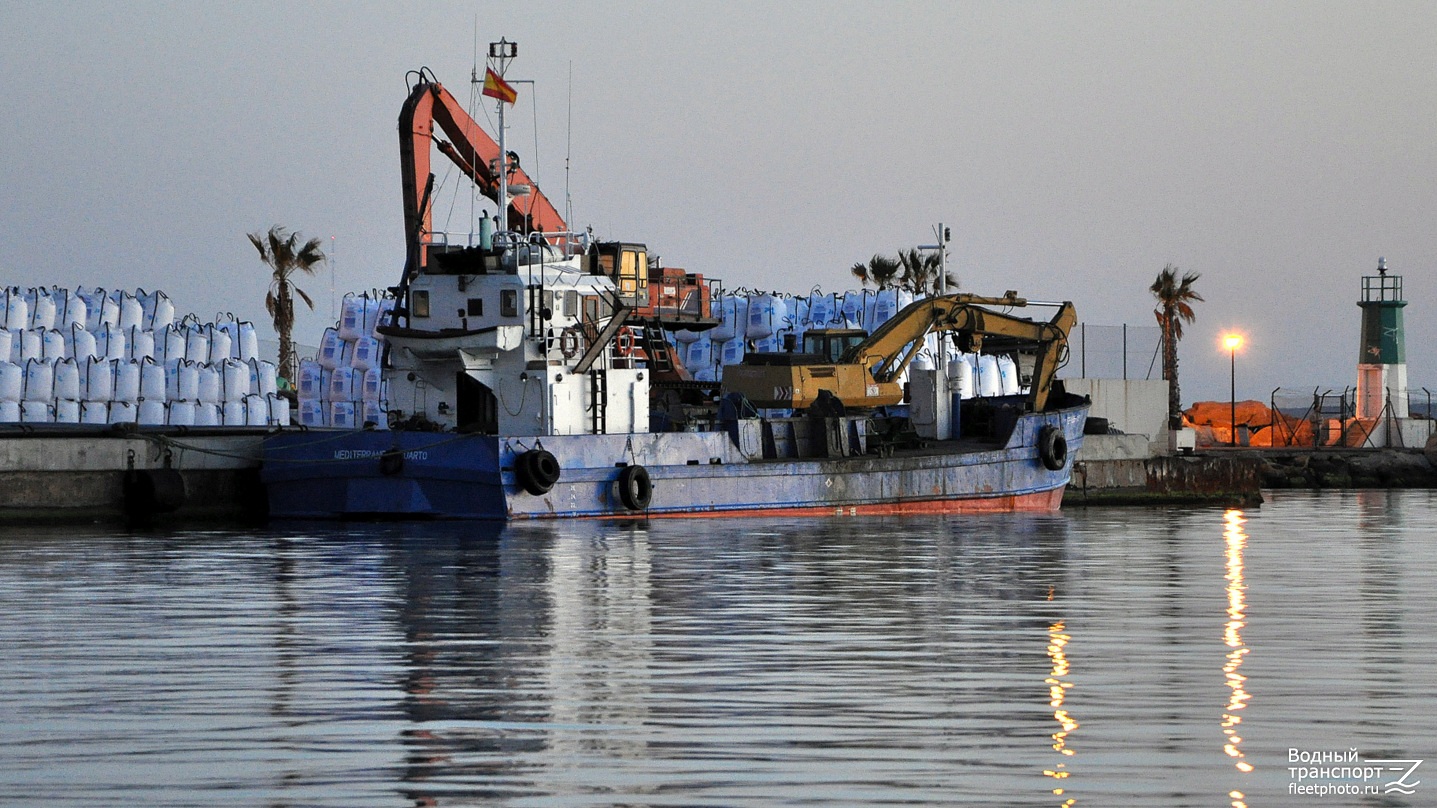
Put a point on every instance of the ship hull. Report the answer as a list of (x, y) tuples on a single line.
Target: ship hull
[(376, 474)]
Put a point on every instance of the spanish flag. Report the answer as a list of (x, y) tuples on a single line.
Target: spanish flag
[(496, 87)]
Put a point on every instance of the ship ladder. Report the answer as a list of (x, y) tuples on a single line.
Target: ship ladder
[(657, 350)]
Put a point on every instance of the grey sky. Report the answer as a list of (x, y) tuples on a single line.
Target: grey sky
[(1074, 149)]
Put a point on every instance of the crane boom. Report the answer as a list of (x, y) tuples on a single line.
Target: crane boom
[(472, 150)]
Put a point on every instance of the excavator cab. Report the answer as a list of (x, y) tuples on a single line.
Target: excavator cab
[(628, 266), (832, 343)]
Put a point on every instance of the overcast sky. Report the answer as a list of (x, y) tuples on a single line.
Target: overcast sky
[(1074, 149)]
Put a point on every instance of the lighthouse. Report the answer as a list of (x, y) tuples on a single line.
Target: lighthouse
[(1382, 361)]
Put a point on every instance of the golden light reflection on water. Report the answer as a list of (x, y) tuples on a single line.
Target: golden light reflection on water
[(1235, 539), (1057, 695)]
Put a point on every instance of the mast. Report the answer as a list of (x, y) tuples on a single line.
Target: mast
[(500, 54)]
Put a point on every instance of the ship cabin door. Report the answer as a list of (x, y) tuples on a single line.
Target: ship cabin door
[(476, 408), (628, 266)]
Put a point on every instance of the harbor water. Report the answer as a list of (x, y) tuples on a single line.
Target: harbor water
[(1103, 657)]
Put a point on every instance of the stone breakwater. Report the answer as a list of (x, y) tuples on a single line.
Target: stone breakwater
[(1388, 468)]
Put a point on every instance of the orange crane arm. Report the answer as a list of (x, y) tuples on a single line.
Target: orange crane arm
[(472, 150)]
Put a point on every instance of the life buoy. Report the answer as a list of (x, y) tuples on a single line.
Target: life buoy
[(624, 343), (1052, 448), (569, 342), (636, 490), (537, 470)]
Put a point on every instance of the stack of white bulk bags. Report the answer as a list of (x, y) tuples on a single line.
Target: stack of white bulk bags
[(342, 386), (116, 357)]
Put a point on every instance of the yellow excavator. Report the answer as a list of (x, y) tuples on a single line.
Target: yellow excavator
[(863, 372)]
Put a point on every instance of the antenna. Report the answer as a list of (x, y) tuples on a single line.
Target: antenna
[(333, 314), (569, 151)]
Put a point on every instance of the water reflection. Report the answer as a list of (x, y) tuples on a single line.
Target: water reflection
[(1236, 540), (1058, 684)]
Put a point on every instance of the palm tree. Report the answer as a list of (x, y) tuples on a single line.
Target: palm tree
[(1175, 298), (282, 252), (913, 271)]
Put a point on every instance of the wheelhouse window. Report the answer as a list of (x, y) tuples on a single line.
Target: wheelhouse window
[(508, 302)]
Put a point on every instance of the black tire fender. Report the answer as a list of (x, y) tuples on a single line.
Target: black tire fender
[(538, 470), (1052, 448), (636, 490)]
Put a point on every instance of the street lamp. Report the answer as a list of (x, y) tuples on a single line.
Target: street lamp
[(1232, 342)]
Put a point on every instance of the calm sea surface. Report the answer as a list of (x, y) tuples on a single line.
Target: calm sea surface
[(1123, 657)]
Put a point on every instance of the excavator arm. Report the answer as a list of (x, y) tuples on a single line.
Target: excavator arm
[(866, 375), (472, 151), (890, 349)]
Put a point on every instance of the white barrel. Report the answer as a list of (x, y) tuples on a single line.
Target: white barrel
[(82, 343), (331, 349), (123, 412), (17, 309), (211, 388), (1008, 376), (247, 345), (264, 376), (110, 343), (42, 309), (67, 411), (366, 353), (151, 412), (37, 412), (182, 413), (313, 412), (99, 379), (343, 415), (39, 380), (989, 382), (373, 412), (373, 385), (207, 413), (9, 412), (256, 410), (235, 379), (197, 344), (766, 313), (311, 383), (140, 345), (53, 344), (94, 411), (232, 413), (279, 413), (67, 381), (152, 381), (342, 385), (7, 345), (127, 382), (12, 382)]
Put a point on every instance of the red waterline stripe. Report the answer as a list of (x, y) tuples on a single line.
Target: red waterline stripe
[(1039, 501)]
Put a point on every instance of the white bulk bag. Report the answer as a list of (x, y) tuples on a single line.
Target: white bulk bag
[(17, 309), (207, 413), (12, 382), (110, 343), (343, 415), (342, 386), (221, 343), (373, 386), (140, 345), (311, 381), (235, 379), (151, 412), (99, 379), (374, 413), (182, 413), (42, 309), (39, 380), (67, 381), (197, 344), (313, 412), (127, 383), (278, 410), (53, 344), (123, 412), (82, 343), (67, 411), (210, 387), (7, 345), (152, 382), (94, 411), (247, 345), (37, 412), (132, 312), (264, 377), (232, 413), (256, 410), (9, 412)]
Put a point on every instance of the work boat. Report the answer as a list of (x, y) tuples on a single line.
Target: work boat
[(529, 376)]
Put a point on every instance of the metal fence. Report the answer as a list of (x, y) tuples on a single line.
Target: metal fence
[(1115, 352), (1328, 417)]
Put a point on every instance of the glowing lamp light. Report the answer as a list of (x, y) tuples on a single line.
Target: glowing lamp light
[(1232, 342)]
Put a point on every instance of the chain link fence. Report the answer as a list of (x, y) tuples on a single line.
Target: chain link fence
[(1115, 352)]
